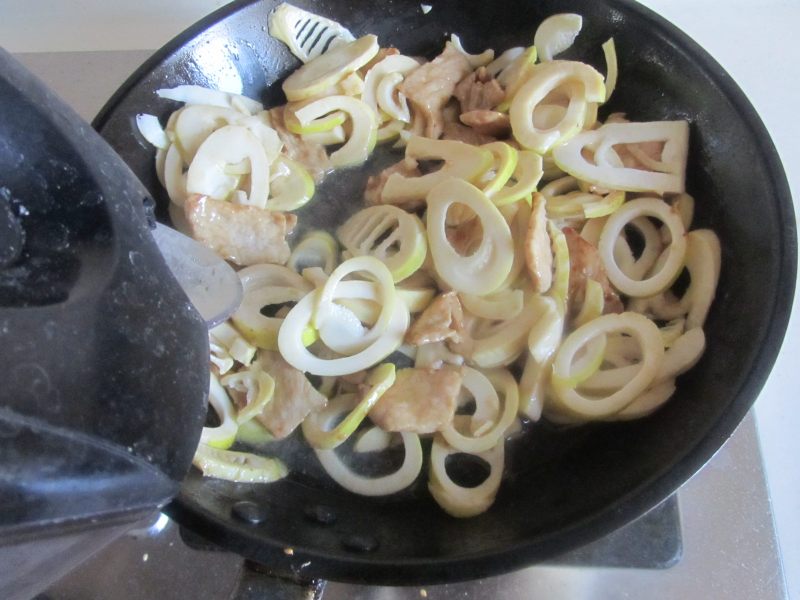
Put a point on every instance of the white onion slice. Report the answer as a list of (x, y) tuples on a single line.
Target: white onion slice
[(224, 434), (196, 94), (545, 335), (670, 270), (570, 157), (174, 176), (703, 261), (682, 355), (475, 382), (634, 324), (459, 501), (295, 353), (196, 122), (500, 306), (387, 295), (532, 387), (651, 399), (483, 271), (504, 60), (475, 60), (612, 70), (161, 159), (343, 332), (502, 343), (637, 268), (371, 486), (229, 145), (556, 34), (152, 131)]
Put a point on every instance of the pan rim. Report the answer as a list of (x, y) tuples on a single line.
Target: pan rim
[(361, 568)]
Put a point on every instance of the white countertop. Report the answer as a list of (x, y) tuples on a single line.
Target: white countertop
[(752, 39)]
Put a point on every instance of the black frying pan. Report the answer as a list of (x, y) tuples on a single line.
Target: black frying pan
[(564, 487)]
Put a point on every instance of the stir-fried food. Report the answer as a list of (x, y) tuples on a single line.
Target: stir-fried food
[(526, 254)]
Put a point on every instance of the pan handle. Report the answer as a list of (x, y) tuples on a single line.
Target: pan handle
[(256, 584)]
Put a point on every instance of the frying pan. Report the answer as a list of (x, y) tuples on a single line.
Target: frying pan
[(563, 487)]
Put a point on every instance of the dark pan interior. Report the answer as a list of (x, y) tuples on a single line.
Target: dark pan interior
[(564, 487)]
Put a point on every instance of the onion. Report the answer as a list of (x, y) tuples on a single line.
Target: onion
[(556, 34), (456, 500), (475, 60), (570, 158), (666, 275), (546, 78), (224, 434), (293, 351), (370, 486), (196, 94), (152, 131), (483, 271), (364, 127), (610, 54), (634, 324), (476, 383)]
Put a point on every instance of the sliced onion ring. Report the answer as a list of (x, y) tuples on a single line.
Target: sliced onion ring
[(483, 271), (641, 207), (460, 501), (682, 355), (387, 295), (224, 434), (556, 34), (371, 486), (293, 351), (634, 324), (475, 382)]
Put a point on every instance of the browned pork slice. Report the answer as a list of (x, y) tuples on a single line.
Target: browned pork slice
[(441, 320), (294, 397), (453, 130), (487, 122), (375, 184), (466, 234), (245, 235), (420, 401), (585, 263), (479, 91), (538, 247), (309, 154), (429, 87)]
